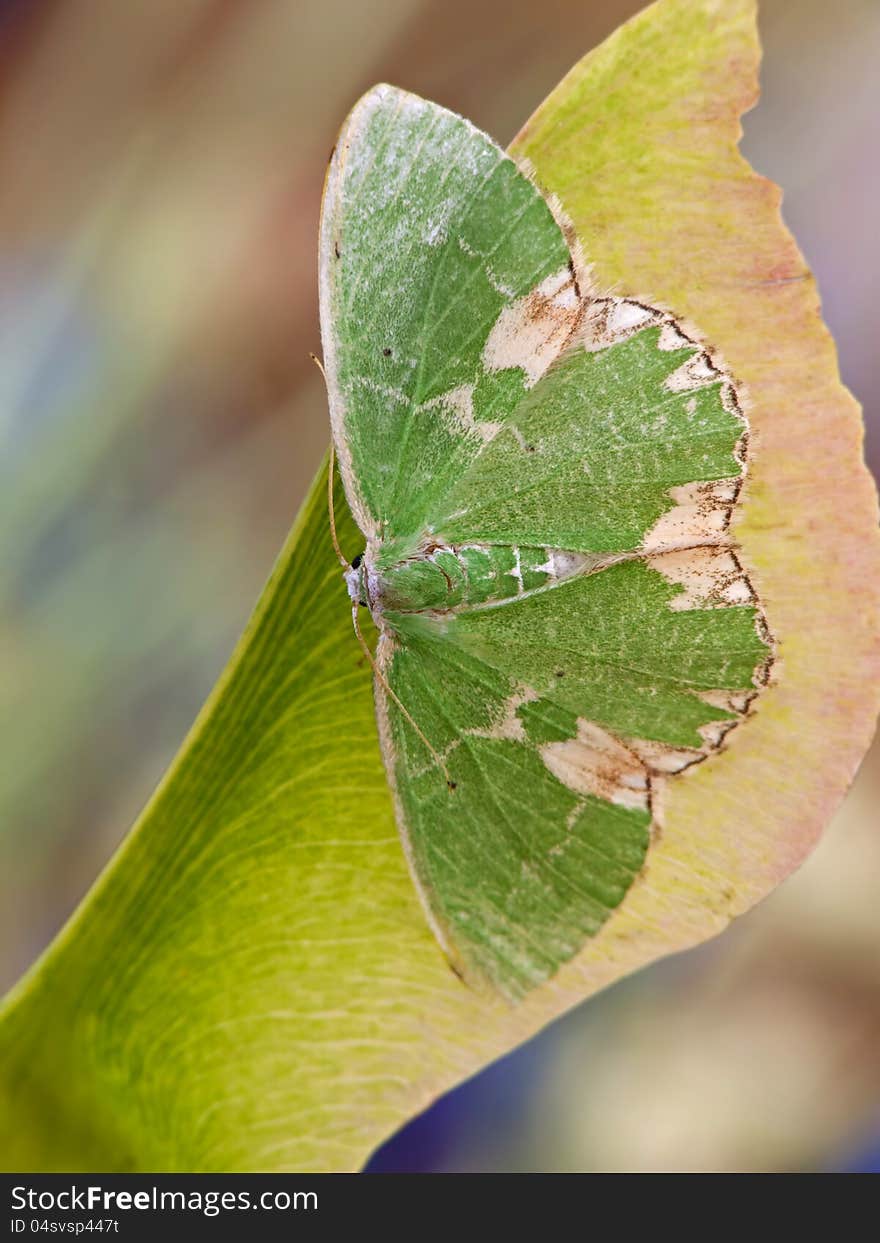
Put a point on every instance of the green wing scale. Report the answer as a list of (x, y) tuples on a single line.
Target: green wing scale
[(545, 479)]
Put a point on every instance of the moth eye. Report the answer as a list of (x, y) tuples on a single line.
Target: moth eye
[(560, 673), (387, 352), (355, 565), (530, 448)]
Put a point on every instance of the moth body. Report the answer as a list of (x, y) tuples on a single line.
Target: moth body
[(443, 577)]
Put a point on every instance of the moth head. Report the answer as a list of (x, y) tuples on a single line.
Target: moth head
[(355, 580)]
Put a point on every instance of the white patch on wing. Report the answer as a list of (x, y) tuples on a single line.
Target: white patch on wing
[(595, 763), (531, 332), (738, 590), (661, 757), (508, 725), (701, 514), (555, 283), (672, 338), (728, 701), (710, 577), (458, 405), (625, 317), (713, 732), (697, 372), (611, 320)]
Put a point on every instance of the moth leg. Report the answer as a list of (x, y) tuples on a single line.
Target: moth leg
[(380, 677)]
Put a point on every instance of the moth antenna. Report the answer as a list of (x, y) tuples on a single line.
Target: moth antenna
[(381, 678), (331, 471)]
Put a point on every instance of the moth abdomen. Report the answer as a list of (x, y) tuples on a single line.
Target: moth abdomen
[(446, 577)]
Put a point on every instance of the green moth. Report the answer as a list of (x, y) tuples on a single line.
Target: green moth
[(545, 479)]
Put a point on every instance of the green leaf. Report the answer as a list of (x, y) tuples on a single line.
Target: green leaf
[(252, 983)]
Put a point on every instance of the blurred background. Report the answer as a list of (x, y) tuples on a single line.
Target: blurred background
[(161, 166)]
